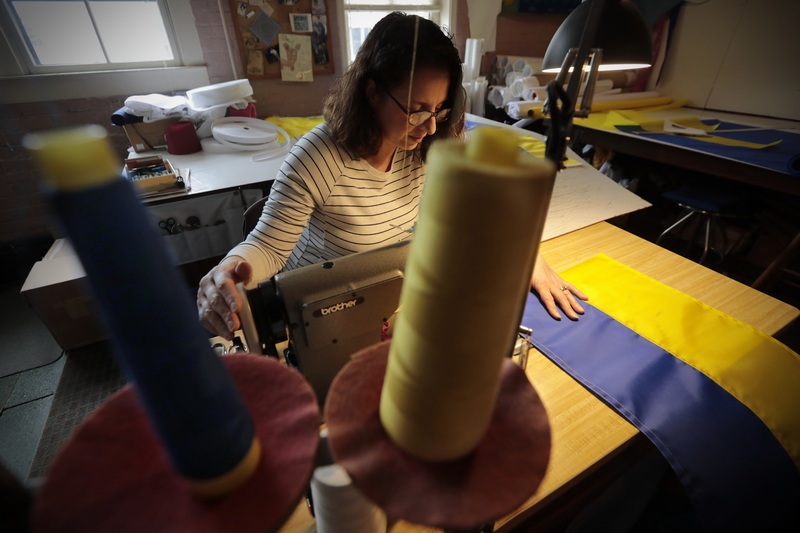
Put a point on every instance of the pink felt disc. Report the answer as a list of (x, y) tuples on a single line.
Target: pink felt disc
[(499, 476), (114, 476)]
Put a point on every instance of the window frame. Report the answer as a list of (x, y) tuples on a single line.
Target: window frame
[(446, 9), (19, 84)]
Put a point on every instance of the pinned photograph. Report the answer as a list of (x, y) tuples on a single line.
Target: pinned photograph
[(318, 7), (273, 54), (319, 40), (255, 63), (300, 22)]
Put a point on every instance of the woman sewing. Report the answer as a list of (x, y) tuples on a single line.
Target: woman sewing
[(355, 181)]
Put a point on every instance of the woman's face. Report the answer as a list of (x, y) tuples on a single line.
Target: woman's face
[(428, 93)]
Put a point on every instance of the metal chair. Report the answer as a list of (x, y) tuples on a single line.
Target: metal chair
[(251, 216)]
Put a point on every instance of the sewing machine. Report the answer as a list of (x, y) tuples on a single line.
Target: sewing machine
[(324, 313)]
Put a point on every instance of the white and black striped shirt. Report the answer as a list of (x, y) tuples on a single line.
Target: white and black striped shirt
[(325, 204)]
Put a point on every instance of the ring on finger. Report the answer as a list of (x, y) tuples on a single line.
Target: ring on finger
[(564, 288)]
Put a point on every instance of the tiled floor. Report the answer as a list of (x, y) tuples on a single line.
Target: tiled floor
[(26, 398)]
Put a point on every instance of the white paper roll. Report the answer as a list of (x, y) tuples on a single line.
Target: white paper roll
[(499, 96), (520, 109), (339, 507), (513, 76), (520, 84), (602, 85), (472, 59), (478, 105), (534, 94), (519, 63)]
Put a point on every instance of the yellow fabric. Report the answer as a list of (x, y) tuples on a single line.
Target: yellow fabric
[(537, 148), (299, 126), (755, 368), (652, 104), (295, 126)]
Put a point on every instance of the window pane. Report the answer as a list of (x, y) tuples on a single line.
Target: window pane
[(60, 33), (126, 42), (361, 22)]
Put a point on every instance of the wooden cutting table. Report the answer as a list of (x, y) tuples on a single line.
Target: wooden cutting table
[(592, 444)]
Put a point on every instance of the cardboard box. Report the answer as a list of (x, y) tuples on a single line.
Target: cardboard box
[(55, 289), (146, 136)]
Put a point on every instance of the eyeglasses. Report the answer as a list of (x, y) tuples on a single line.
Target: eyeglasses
[(418, 118)]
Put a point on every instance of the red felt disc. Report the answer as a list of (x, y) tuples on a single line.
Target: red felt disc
[(503, 472), (114, 476)]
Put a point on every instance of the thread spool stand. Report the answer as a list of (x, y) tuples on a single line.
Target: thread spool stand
[(126, 483), (503, 472)]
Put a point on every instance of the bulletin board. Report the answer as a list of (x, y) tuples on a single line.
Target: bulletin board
[(285, 39)]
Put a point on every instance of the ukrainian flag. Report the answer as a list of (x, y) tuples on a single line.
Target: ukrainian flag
[(719, 398)]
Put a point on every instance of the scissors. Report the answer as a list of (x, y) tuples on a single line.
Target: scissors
[(170, 225)]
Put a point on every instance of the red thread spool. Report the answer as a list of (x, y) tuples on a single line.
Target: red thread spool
[(249, 111), (182, 139)]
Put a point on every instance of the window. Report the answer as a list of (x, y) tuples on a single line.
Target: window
[(56, 49), (361, 15), (73, 35)]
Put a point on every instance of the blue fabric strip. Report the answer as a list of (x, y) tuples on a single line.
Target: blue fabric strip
[(783, 157), (736, 474)]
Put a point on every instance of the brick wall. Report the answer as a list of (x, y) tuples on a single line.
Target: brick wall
[(23, 213)]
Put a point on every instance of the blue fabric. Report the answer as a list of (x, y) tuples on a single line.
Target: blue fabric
[(783, 157), (736, 474)]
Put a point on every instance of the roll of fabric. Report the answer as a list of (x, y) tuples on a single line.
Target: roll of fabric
[(219, 94), (123, 116)]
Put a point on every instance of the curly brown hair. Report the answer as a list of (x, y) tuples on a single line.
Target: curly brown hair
[(386, 57)]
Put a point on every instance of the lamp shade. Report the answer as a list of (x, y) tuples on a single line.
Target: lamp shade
[(622, 34)]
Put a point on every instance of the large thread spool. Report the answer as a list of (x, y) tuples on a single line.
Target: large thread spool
[(466, 279)]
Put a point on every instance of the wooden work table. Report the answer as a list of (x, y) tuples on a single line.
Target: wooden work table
[(591, 442)]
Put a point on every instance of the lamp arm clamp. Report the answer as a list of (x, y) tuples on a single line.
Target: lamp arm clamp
[(560, 103)]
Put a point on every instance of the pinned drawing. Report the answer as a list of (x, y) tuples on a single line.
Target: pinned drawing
[(295, 57)]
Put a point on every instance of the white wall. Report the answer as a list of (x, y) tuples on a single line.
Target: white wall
[(737, 55)]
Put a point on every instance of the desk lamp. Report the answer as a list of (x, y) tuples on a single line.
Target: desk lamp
[(599, 35)]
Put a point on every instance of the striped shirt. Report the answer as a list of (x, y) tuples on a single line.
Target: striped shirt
[(325, 204)]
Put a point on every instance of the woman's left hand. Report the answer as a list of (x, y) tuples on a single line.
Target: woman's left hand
[(555, 292)]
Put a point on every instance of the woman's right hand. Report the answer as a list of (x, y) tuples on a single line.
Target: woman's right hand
[(218, 301)]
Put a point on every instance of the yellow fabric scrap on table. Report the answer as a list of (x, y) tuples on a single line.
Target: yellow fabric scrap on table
[(758, 370), (295, 126), (537, 148), (299, 126)]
